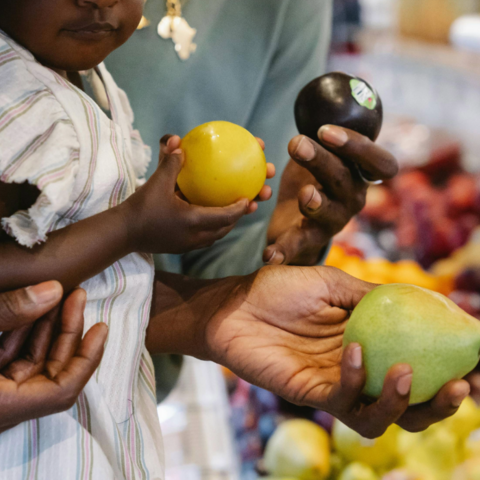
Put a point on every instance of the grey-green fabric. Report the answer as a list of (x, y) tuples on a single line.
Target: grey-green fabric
[(252, 59)]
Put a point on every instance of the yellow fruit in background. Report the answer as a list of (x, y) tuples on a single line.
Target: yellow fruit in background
[(410, 272), (355, 267), (470, 470), (380, 453), (471, 446), (465, 421), (405, 474), (434, 452), (298, 448), (336, 256), (223, 163), (358, 471)]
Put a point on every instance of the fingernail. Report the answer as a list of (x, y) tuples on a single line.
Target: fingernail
[(315, 202), (460, 397), (271, 257), (279, 258), (178, 151), (44, 293), (404, 384), (305, 150), (356, 357), (332, 135)]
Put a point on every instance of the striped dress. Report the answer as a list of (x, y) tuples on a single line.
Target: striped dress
[(56, 137)]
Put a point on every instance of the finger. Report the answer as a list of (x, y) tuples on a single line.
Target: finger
[(87, 358), (300, 244), (215, 218), (169, 143), (376, 162), (26, 305), (261, 142), (271, 170), (392, 404), (265, 194), (336, 178), (346, 394), (33, 355), (11, 344), (444, 405), (252, 207), (170, 162), (71, 331)]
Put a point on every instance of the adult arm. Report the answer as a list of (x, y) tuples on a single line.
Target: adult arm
[(281, 329)]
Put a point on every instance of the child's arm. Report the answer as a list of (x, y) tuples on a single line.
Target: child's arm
[(153, 220)]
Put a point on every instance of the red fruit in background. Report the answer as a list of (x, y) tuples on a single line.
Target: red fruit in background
[(468, 301), (468, 280), (461, 193), (410, 181), (381, 206)]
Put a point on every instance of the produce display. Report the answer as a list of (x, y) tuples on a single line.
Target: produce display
[(223, 163), (448, 450)]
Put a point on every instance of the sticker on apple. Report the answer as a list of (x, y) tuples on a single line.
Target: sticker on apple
[(363, 94)]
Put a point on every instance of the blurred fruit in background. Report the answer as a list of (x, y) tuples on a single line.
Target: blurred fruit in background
[(432, 19), (358, 471), (299, 448), (470, 470), (380, 453), (449, 450)]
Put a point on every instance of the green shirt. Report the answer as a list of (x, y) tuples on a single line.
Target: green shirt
[(252, 59)]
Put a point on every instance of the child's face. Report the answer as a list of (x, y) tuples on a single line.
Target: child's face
[(70, 35)]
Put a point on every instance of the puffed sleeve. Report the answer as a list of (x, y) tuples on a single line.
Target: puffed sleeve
[(39, 145)]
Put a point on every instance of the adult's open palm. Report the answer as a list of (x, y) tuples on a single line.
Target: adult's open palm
[(284, 333)]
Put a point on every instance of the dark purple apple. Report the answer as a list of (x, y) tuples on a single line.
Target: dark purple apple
[(339, 99)]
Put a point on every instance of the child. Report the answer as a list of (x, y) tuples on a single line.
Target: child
[(87, 164)]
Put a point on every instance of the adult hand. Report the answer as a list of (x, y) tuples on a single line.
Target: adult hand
[(320, 191), (283, 331), (44, 366)]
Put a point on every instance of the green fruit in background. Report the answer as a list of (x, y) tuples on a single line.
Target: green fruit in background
[(300, 449), (358, 471), (380, 453), (401, 323)]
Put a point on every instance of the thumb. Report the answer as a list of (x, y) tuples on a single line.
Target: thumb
[(170, 161), (345, 291), (24, 306), (299, 245)]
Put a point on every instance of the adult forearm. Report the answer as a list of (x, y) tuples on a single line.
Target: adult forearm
[(181, 310), (71, 255)]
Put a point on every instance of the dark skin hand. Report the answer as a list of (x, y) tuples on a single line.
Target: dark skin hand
[(44, 362), (281, 329), (321, 191)]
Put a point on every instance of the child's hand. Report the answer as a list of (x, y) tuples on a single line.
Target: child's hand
[(159, 220)]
